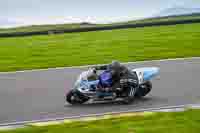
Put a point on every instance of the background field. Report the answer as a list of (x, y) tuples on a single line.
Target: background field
[(99, 47), (38, 28)]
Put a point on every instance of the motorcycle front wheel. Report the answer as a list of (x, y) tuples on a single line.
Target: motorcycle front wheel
[(74, 97)]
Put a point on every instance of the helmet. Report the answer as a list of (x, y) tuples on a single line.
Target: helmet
[(115, 67), (115, 64)]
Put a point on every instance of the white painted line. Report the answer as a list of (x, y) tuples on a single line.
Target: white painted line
[(171, 110), (96, 115), (22, 124), (85, 66), (6, 128), (197, 106)]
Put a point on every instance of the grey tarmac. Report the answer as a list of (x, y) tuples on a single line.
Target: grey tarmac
[(38, 95)]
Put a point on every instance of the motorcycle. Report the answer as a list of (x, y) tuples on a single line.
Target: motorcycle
[(86, 89)]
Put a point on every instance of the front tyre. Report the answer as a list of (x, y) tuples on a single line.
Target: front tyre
[(74, 97), (144, 89)]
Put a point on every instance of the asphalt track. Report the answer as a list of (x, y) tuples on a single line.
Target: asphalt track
[(35, 95)]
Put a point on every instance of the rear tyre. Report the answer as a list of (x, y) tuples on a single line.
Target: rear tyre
[(144, 89), (75, 97)]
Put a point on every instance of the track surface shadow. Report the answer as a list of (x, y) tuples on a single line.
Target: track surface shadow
[(110, 103)]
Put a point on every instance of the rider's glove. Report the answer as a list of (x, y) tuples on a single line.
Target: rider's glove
[(93, 69)]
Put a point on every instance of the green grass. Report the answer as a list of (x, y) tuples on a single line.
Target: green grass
[(177, 122), (99, 47), (34, 28), (161, 19)]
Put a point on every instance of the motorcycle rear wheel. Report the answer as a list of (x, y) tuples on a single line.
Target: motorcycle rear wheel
[(129, 98), (144, 89)]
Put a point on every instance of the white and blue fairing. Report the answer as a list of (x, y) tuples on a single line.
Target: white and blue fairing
[(146, 73)]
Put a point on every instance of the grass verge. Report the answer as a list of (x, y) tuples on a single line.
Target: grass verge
[(99, 47), (176, 122)]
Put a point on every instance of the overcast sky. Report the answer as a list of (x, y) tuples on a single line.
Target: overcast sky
[(97, 11)]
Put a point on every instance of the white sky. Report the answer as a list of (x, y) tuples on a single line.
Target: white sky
[(68, 11)]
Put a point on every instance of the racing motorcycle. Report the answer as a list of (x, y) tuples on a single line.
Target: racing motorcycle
[(86, 89)]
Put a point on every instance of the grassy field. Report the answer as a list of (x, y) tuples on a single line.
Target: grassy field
[(162, 19), (178, 122), (99, 47), (34, 28)]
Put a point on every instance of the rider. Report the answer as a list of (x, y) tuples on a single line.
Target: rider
[(118, 72)]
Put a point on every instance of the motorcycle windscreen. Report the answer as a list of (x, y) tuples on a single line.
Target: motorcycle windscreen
[(105, 79), (149, 73)]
